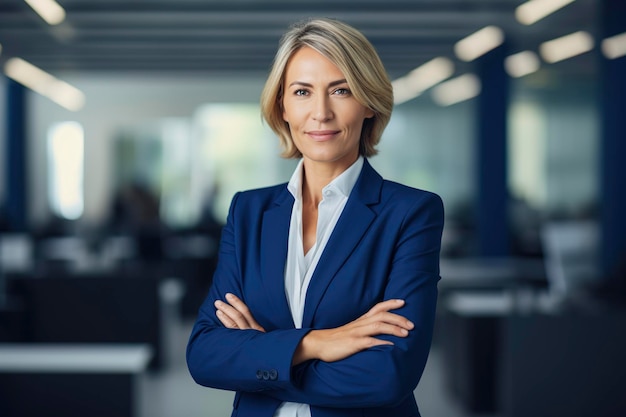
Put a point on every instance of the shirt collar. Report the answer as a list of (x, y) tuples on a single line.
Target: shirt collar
[(344, 183)]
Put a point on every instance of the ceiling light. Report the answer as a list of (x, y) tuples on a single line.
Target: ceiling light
[(49, 10), (522, 63), (615, 46), (535, 10), (421, 79), (456, 90), (479, 43), (401, 92), (566, 47), (45, 84)]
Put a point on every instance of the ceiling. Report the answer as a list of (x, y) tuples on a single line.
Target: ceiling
[(240, 36)]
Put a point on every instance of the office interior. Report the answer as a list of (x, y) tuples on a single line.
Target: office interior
[(118, 165)]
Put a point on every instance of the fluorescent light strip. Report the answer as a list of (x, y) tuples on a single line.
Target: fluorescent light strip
[(566, 47), (401, 91), (534, 10), (48, 10), (421, 79), (45, 84), (479, 43), (457, 90), (521, 64), (615, 46)]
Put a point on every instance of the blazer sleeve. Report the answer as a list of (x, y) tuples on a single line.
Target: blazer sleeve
[(385, 375), (232, 359)]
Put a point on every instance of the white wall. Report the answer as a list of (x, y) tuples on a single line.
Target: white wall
[(113, 102)]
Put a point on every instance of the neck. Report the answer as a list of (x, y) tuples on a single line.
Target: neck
[(316, 176)]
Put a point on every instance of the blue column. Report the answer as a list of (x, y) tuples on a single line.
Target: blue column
[(16, 183), (613, 142), (492, 218)]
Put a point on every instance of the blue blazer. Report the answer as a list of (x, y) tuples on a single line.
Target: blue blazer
[(385, 245)]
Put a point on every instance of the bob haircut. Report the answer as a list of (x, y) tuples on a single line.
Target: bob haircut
[(355, 57)]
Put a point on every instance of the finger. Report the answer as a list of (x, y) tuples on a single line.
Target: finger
[(392, 318), (381, 323), (369, 342), (381, 328), (239, 305), (384, 306), (244, 310), (233, 314), (373, 341), (225, 320)]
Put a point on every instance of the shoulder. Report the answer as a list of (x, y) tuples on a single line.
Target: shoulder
[(403, 200), (263, 193), (408, 195), (395, 198), (260, 198)]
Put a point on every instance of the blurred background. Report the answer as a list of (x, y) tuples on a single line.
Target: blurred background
[(127, 126)]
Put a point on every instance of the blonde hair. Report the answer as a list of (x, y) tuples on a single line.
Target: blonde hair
[(357, 59)]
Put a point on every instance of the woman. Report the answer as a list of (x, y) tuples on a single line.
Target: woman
[(324, 297)]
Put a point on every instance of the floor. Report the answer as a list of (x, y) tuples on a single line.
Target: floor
[(172, 393)]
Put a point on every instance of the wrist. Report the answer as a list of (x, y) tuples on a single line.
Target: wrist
[(306, 349)]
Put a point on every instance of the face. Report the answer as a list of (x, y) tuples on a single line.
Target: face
[(324, 118)]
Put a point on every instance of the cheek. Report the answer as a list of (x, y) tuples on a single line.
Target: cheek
[(357, 122), (289, 115), (294, 115), (282, 107), (285, 111)]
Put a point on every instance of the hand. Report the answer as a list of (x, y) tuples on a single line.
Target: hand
[(331, 345), (235, 314)]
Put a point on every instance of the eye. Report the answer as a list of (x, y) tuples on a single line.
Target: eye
[(301, 92), (342, 92)]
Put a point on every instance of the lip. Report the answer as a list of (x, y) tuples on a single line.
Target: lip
[(322, 135)]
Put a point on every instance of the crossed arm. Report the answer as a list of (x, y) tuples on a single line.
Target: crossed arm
[(328, 345), (374, 360)]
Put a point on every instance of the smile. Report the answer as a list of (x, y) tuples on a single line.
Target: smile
[(322, 135)]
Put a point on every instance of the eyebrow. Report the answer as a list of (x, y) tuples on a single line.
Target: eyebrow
[(332, 84)]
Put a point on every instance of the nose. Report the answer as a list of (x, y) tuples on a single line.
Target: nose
[(322, 111)]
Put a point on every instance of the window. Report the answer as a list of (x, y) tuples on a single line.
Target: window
[(66, 153)]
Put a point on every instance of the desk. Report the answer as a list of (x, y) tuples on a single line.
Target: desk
[(70, 380), (91, 309), (491, 274), (563, 365), (528, 362), (470, 327)]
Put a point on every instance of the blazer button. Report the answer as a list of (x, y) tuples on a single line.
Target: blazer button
[(266, 375), (259, 374), (273, 374)]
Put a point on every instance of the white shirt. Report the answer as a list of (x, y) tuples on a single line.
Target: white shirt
[(300, 266)]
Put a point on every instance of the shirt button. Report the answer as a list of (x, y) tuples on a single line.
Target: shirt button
[(273, 374), (266, 376), (259, 374)]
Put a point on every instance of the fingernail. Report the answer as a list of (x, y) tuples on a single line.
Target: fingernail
[(405, 332), (218, 303), (410, 324), (229, 296)]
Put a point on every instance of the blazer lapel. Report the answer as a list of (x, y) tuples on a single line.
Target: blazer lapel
[(351, 226), (274, 239)]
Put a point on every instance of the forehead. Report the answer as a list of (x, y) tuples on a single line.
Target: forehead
[(306, 61)]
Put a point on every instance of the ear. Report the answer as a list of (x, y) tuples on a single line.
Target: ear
[(369, 113)]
